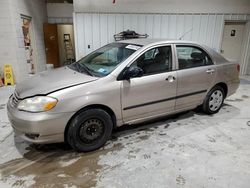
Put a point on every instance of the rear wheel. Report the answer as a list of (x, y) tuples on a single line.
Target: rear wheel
[(214, 100), (89, 130)]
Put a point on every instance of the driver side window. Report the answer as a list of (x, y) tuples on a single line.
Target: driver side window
[(154, 61)]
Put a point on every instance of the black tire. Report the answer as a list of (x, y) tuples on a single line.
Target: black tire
[(207, 106), (89, 130)]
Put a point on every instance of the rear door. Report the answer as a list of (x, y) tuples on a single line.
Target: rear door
[(153, 93), (195, 75)]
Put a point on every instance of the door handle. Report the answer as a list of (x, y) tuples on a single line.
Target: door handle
[(170, 78), (210, 71)]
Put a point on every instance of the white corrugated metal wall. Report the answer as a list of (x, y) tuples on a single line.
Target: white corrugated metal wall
[(93, 30)]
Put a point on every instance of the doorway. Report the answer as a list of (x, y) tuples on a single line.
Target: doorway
[(232, 41), (59, 44), (66, 44)]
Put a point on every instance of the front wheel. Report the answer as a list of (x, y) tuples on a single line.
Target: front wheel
[(89, 130), (214, 100)]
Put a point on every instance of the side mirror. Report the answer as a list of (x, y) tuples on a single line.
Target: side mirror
[(132, 72)]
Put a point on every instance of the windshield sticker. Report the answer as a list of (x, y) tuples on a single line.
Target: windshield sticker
[(101, 70), (132, 47)]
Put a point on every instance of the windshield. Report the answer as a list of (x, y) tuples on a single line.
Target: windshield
[(104, 60)]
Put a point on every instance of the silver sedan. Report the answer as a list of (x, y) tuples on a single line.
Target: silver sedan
[(121, 83)]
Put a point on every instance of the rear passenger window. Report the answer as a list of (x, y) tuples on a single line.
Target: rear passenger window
[(190, 56)]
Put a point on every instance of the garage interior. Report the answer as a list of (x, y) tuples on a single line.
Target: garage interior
[(189, 149)]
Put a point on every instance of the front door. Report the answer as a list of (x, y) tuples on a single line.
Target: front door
[(154, 93), (51, 44)]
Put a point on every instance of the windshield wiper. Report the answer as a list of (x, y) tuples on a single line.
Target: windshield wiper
[(81, 68), (87, 70)]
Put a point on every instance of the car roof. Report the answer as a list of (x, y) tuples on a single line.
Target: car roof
[(147, 41)]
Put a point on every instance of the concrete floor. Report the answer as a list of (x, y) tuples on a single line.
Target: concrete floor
[(188, 150)]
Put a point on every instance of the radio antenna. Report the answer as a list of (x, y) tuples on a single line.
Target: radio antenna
[(185, 33)]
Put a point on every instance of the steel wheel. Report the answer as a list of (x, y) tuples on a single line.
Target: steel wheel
[(215, 100), (91, 130)]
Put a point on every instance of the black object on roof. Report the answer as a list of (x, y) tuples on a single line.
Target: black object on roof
[(124, 35)]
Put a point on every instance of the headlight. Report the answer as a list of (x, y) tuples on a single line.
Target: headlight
[(37, 104)]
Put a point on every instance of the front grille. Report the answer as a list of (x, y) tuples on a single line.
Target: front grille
[(15, 99)]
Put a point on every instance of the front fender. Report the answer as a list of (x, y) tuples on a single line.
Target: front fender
[(76, 98)]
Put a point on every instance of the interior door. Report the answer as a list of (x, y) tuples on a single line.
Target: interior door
[(51, 44), (154, 93), (232, 40)]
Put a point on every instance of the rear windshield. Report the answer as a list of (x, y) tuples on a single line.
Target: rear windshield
[(103, 61)]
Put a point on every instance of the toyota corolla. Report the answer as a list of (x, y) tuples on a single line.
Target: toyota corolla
[(121, 83)]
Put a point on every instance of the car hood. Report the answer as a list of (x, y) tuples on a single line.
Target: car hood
[(49, 81)]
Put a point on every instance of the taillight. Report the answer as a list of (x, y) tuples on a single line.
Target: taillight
[(238, 67)]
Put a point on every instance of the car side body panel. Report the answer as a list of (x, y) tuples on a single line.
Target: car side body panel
[(105, 92), (193, 86), (148, 96)]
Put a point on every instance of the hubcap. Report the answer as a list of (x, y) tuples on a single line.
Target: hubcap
[(91, 130), (215, 100)]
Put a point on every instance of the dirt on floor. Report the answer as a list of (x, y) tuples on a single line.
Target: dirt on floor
[(190, 149), (56, 165)]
